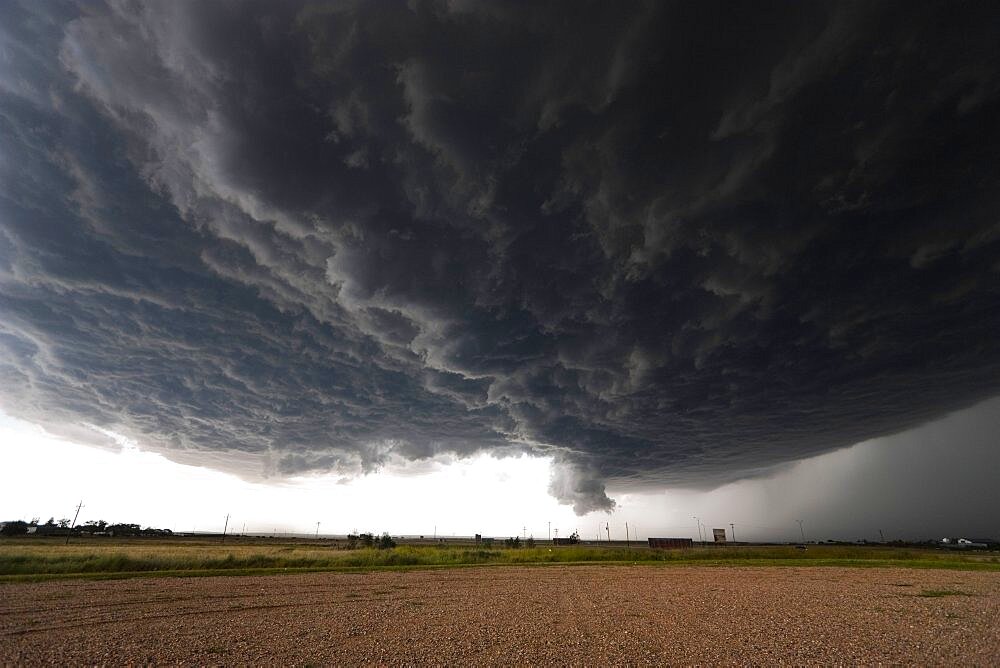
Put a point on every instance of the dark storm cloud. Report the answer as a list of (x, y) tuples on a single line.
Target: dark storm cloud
[(662, 245)]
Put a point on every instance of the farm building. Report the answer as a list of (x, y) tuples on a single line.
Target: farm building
[(670, 543)]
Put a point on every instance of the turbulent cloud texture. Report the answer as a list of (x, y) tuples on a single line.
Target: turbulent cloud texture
[(663, 245)]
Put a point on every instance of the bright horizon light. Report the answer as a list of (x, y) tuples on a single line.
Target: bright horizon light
[(503, 497)]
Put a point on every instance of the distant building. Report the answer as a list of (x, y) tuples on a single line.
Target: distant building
[(966, 544), (671, 543)]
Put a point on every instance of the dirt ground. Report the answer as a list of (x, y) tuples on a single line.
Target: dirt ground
[(513, 615)]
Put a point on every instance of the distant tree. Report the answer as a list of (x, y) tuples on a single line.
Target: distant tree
[(514, 542), (124, 529), (95, 525), (386, 542), (530, 542), (15, 528), (367, 539), (574, 537), (64, 523), (49, 528)]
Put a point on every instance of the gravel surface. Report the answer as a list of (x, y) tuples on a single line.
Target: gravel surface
[(513, 615)]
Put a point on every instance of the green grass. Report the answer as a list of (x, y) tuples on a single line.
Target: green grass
[(38, 559)]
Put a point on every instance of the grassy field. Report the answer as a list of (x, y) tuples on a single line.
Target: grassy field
[(24, 559)]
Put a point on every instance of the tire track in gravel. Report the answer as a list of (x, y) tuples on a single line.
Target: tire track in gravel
[(172, 615)]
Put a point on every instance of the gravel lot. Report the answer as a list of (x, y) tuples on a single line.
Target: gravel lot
[(503, 615)]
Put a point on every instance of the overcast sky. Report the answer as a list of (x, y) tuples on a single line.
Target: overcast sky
[(659, 256)]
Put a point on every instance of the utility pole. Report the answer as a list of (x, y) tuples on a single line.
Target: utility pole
[(733, 527), (78, 506), (317, 530), (607, 527), (550, 531), (628, 545), (698, 521), (224, 527), (801, 531), (881, 535)]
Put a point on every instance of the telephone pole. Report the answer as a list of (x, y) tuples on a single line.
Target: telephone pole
[(78, 506), (607, 527), (224, 527), (628, 544), (550, 531), (801, 531), (317, 530), (733, 527)]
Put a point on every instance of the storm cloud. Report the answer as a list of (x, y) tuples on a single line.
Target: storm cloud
[(662, 245)]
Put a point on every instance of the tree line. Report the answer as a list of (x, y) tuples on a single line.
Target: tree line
[(62, 527)]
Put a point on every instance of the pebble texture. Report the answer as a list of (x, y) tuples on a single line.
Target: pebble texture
[(593, 615)]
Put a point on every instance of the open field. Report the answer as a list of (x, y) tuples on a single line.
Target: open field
[(39, 559), (513, 615)]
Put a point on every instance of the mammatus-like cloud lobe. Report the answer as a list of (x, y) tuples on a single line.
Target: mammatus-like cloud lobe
[(661, 245)]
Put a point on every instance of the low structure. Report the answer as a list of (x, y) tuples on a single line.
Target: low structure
[(671, 543)]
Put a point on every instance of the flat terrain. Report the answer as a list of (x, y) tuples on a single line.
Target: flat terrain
[(510, 614), (33, 559)]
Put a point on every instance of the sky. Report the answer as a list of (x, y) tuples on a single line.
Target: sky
[(465, 264)]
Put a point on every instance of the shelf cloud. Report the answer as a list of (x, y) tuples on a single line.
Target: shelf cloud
[(662, 245)]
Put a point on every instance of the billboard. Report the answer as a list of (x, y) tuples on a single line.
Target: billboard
[(670, 543), (720, 535)]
